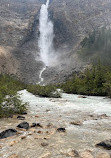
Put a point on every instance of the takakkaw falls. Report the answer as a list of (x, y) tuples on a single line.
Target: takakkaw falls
[(55, 79), (45, 42)]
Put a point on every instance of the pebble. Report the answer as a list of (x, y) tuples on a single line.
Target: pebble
[(44, 144), (78, 123), (69, 153), (37, 116), (23, 137), (40, 132)]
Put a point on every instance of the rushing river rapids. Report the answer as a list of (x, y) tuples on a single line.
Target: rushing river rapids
[(82, 118)]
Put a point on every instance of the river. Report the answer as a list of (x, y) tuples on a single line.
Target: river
[(87, 122)]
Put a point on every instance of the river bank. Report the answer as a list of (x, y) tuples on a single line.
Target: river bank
[(86, 121)]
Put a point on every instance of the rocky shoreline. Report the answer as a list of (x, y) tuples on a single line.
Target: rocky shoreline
[(22, 142), (55, 128)]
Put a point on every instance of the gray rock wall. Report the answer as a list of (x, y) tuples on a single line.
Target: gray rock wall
[(73, 20)]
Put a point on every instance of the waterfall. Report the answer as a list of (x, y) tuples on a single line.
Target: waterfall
[(40, 75), (45, 42)]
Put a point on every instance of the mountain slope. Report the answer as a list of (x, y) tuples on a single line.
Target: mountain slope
[(73, 21)]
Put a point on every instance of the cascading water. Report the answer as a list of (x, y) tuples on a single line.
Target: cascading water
[(45, 42), (40, 75), (46, 35)]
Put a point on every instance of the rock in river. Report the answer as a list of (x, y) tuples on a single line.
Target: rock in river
[(24, 113), (39, 125), (44, 144), (24, 125), (105, 144), (61, 130), (76, 123), (7, 133), (33, 125), (20, 117)]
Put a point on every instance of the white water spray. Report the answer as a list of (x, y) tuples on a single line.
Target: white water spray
[(45, 42), (40, 75)]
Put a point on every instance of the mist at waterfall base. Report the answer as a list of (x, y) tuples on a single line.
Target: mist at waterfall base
[(50, 57), (45, 43)]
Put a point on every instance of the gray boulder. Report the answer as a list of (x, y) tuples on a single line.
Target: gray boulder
[(24, 125), (105, 144), (7, 133)]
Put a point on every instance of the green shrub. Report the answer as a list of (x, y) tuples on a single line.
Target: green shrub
[(44, 91), (10, 103)]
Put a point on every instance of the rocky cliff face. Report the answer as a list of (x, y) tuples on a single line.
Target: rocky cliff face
[(73, 20)]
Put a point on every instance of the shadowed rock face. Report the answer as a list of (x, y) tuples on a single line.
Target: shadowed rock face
[(73, 20)]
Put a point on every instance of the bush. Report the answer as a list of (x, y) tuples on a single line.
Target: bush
[(9, 102), (12, 105), (9, 86), (44, 91)]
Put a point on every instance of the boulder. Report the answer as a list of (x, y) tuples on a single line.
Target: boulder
[(33, 125), (103, 116), (20, 117), (44, 144), (105, 144), (36, 116), (24, 113), (82, 96), (7, 133), (24, 125), (39, 125), (61, 130)]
